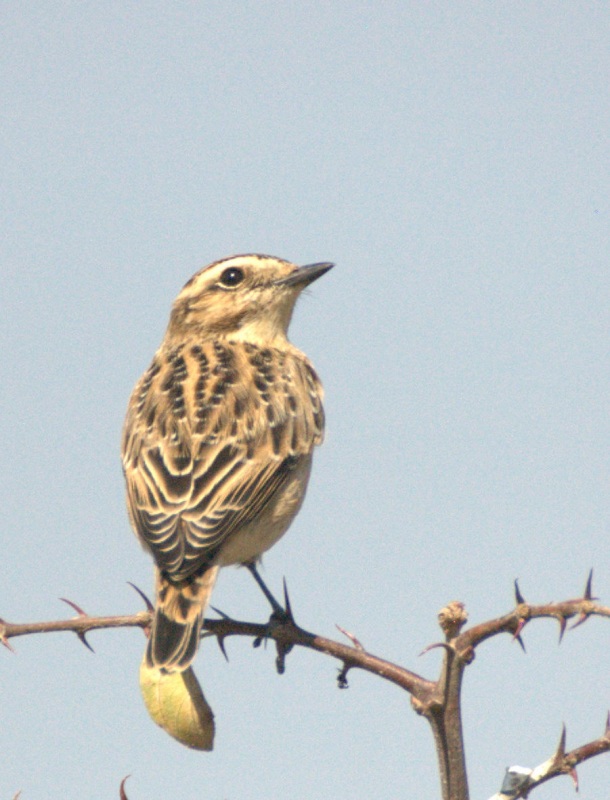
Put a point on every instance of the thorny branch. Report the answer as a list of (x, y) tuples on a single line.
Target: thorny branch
[(438, 701), (565, 763), (519, 781)]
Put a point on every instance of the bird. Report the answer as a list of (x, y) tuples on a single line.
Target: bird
[(218, 438)]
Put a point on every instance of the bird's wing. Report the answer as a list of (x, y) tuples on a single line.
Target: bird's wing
[(184, 535), (189, 487)]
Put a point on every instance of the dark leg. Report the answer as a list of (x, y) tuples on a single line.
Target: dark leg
[(279, 612)]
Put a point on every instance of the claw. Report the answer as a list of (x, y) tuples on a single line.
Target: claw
[(147, 603), (351, 637), (342, 677), (278, 615), (282, 652)]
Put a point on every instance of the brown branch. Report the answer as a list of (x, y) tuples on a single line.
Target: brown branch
[(353, 657), (515, 621), (565, 763), (290, 634), (438, 701), (286, 634), (78, 625)]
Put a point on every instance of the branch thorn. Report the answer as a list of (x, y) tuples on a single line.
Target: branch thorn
[(351, 637), (519, 599), (76, 608), (561, 747), (83, 638), (434, 646), (221, 644), (147, 603), (3, 637), (589, 587), (517, 634), (562, 627), (583, 617), (220, 613), (82, 635), (587, 597), (287, 606), (123, 795)]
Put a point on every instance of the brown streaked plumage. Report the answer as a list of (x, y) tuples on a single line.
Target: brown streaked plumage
[(218, 438)]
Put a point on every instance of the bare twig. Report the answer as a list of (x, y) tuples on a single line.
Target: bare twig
[(286, 633), (438, 701), (515, 621), (565, 763)]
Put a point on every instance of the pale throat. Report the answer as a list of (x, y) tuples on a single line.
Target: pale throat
[(265, 329)]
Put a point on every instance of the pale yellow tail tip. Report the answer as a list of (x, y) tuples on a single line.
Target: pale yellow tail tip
[(176, 703)]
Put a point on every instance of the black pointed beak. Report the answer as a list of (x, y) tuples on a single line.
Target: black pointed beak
[(303, 276)]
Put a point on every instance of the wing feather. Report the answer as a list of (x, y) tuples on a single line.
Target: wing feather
[(201, 464)]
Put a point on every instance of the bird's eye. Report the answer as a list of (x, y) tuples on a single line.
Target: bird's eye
[(231, 277)]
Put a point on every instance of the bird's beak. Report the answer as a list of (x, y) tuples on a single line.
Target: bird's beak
[(303, 276)]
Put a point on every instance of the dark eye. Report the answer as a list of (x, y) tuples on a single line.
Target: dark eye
[(232, 276)]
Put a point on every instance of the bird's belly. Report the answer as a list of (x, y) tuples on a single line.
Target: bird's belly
[(252, 540)]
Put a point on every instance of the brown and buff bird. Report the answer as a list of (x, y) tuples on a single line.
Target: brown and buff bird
[(218, 439)]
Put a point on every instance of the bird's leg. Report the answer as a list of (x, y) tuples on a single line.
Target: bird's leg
[(279, 612), (279, 615)]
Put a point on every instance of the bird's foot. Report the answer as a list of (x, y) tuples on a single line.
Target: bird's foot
[(280, 613)]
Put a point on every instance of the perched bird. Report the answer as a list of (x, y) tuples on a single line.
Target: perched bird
[(218, 439)]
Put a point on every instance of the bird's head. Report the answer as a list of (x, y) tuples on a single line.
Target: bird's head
[(249, 297)]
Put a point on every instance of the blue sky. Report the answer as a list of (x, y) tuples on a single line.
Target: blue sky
[(453, 160)]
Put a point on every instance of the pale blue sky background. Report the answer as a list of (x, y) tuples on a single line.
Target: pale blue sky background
[(453, 160)]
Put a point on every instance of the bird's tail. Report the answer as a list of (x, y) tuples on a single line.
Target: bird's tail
[(176, 627), (175, 701)]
